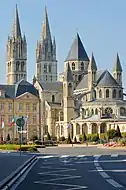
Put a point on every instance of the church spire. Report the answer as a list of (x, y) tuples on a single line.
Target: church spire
[(16, 32), (45, 27)]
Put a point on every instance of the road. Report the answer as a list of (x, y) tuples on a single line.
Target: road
[(106, 170), (9, 162)]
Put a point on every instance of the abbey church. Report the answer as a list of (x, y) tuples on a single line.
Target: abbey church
[(80, 99)]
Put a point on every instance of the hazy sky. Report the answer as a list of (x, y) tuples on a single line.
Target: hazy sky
[(101, 25)]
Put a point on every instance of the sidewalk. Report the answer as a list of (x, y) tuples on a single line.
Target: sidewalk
[(9, 162)]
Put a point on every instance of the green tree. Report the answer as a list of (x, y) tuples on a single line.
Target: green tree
[(8, 137), (84, 138), (48, 136), (75, 139), (69, 141), (112, 133), (119, 133)]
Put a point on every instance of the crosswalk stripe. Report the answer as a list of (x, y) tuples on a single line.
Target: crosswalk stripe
[(64, 156), (114, 155), (81, 156)]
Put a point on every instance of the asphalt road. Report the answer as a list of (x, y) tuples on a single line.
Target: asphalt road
[(9, 162), (76, 171)]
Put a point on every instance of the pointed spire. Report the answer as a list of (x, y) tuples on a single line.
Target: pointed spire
[(77, 51), (16, 25), (92, 64), (117, 65), (54, 42), (45, 27), (68, 73)]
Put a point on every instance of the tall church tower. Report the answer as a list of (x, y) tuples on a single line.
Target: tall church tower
[(117, 70), (46, 62), (16, 59)]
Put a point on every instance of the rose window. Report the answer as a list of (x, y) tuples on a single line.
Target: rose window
[(108, 110)]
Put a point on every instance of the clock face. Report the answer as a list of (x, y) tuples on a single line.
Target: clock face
[(108, 110)]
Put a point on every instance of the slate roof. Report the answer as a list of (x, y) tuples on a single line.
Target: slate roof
[(92, 64), (107, 80), (77, 51), (54, 86), (13, 91)]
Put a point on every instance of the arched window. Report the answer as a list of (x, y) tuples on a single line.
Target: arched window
[(17, 65), (100, 93), (114, 93), (92, 111), (69, 89), (82, 66), (73, 66), (96, 111), (53, 98), (50, 69), (22, 66), (120, 94), (79, 78), (107, 93), (94, 94)]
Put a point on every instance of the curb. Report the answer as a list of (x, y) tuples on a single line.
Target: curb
[(14, 176)]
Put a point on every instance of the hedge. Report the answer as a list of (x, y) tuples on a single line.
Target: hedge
[(17, 147)]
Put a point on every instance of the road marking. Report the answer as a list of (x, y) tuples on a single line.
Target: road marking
[(102, 161), (64, 156), (81, 156), (56, 171), (49, 167), (56, 175), (97, 156), (62, 184), (62, 178), (105, 175), (96, 164), (114, 155), (116, 171), (113, 183), (46, 157)]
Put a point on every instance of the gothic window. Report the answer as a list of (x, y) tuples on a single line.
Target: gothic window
[(94, 93), (120, 94), (100, 93), (92, 111), (79, 78), (75, 77), (96, 111), (53, 98), (45, 68), (69, 89), (107, 93), (82, 66), (50, 69), (114, 93), (22, 66), (17, 66), (73, 66)]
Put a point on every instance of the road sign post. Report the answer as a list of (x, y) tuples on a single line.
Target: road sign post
[(20, 123)]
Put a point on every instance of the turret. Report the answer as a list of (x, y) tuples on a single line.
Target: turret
[(117, 70)]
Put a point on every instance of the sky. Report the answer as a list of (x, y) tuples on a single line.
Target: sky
[(100, 24)]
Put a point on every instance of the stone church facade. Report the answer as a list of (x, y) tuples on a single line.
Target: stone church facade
[(84, 99)]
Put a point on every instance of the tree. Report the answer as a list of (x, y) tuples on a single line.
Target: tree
[(112, 133), (48, 136), (69, 141), (84, 138), (8, 137), (119, 133), (75, 139), (34, 138)]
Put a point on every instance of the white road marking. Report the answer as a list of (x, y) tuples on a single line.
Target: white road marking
[(81, 156), (56, 171), (113, 183), (62, 184), (46, 157), (116, 171), (49, 167), (62, 178), (114, 155), (56, 175), (102, 161), (105, 175), (64, 156), (96, 164), (97, 156)]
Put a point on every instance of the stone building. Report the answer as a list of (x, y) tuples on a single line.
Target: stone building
[(84, 99), (16, 57)]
